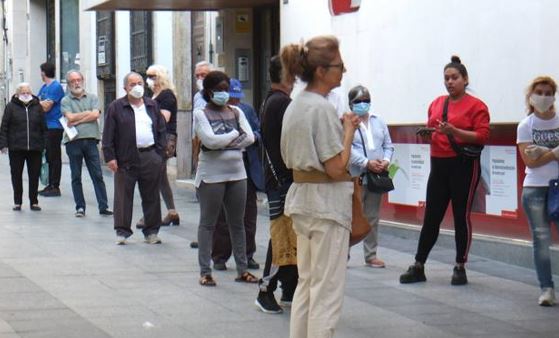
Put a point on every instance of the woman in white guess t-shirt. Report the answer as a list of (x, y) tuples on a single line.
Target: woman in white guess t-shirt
[(538, 143)]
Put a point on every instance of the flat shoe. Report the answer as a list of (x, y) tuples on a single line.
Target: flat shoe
[(17, 207), (246, 277), (207, 280), (35, 207)]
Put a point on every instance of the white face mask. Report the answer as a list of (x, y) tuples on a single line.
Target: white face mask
[(150, 83), (541, 103), (25, 97), (200, 84), (137, 91)]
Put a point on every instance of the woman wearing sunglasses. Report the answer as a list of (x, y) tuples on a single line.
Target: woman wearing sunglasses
[(371, 151)]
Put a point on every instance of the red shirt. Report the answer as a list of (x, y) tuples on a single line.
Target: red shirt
[(468, 113)]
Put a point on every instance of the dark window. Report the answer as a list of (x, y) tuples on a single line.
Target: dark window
[(140, 41), (69, 36), (51, 33), (105, 45)]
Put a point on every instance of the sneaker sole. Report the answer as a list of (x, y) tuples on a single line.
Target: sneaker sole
[(546, 303), (266, 310), (285, 304), (413, 281)]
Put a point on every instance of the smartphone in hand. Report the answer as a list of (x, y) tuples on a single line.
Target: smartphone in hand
[(424, 131)]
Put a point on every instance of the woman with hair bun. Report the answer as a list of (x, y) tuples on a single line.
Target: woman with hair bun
[(316, 145), (538, 144), (458, 124)]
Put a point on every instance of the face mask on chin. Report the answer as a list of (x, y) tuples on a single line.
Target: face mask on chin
[(137, 91), (541, 103), (220, 98)]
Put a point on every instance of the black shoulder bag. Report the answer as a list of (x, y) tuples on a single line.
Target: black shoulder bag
[(467, 151), (376, 182)]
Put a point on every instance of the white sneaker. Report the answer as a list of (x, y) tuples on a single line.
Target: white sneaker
[(120, 240), (152, 239), (547, 297)]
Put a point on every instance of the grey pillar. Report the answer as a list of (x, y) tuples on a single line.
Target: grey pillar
[(182, 70)]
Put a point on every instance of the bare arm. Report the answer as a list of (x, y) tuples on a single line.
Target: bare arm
[(336, 167), (166, 114), (47, 105), (546, 158)]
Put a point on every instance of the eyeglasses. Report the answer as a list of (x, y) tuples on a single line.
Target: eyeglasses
[(361, 101), (336, 65), (151, 76)]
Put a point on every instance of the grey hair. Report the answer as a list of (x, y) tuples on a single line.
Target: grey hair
[(20, 86), (204, 64), (73, 71), (357, 92), (125, 80)]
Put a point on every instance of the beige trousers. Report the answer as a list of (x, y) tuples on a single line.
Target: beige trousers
[(322, 249)]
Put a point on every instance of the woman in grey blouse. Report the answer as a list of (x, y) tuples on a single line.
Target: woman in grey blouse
[(371, 150), (221, 177)]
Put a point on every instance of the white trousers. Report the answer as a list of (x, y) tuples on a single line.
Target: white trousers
[(322, 249)]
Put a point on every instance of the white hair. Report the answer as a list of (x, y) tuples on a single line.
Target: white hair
[(22, 85), (204, 64)]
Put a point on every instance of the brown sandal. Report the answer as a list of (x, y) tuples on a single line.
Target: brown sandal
[(207, 280), (246, 277)]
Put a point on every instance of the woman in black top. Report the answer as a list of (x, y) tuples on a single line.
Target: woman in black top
[(164, 93), (22, 135)]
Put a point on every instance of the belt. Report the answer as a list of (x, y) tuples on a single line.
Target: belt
[(314, 176), (152, 147)]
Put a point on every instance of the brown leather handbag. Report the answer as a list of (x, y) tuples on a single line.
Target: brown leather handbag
[(360, 227)]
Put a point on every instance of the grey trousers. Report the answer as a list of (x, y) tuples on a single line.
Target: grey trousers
[(165, 187), (212, 196), (371, 206)]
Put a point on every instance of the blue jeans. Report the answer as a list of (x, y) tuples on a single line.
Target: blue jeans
[(86, 149), (534, 205)]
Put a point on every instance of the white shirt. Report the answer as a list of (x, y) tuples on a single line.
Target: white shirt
[(144, 131), (542, 133)]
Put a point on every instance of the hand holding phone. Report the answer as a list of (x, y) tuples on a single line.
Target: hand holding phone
[(424, 131)]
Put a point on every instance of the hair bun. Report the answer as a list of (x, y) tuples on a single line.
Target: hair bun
[(455, 59)]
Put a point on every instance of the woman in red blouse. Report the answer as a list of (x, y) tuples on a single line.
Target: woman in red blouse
[(454, 176)]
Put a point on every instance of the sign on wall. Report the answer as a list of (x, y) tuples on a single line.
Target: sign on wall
[(496, 194), (338, 7)]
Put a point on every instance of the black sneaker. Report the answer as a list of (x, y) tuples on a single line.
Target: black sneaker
[(414, 274), (52, 192), (267, 303), (251, 264), (459, 276), (194, 245), (106, 212)]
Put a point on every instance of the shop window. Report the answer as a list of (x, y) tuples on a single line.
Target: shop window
[(69, 36)]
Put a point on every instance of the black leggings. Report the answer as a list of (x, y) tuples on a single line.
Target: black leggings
[(451, 179)]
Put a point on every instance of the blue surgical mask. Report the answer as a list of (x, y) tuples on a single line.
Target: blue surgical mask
[(220, 98), (361, 108)]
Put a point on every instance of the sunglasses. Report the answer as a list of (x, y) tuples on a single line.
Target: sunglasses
[(361, 101), (151, 76), (336, 65)]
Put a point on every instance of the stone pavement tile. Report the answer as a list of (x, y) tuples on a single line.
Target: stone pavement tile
[(5, 328), (69, 327), (486, 328), (141, 326), (17, 284), (33, 300), (31, 314), (541, 326)]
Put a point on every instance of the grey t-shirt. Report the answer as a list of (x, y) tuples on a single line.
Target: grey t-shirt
[(312, 134), (71, 104)]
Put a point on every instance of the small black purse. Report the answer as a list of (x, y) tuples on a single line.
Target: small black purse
[(376, 182), (467, 151)]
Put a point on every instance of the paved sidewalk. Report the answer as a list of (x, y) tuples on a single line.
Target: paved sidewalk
[(61, 276)]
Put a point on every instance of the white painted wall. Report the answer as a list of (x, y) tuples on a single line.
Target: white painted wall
[(37, 48), (398, 48), (122, 43), (163, 40)]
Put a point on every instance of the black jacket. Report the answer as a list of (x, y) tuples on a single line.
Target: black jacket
[(23, 126), (119, 132)]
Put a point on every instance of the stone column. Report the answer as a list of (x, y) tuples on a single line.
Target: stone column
[(182, 70)]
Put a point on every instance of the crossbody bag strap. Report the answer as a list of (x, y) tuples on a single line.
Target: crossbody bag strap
[(362, 142), (450, 137), (265, 151)]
